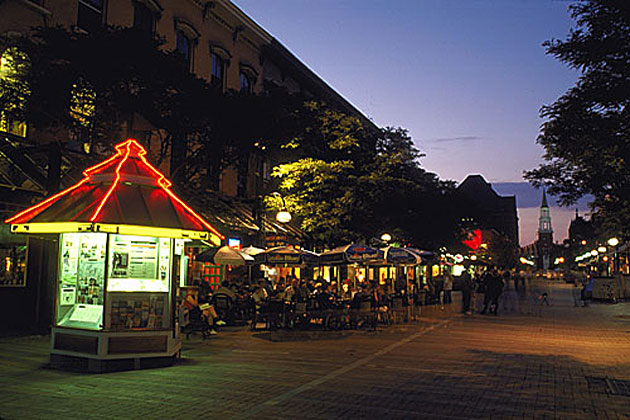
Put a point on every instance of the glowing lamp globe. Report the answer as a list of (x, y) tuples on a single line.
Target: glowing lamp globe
[(283, 216)]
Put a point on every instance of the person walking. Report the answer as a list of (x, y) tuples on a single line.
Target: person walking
[(467, 289), (494, 288), (576, 293), (447, 289)]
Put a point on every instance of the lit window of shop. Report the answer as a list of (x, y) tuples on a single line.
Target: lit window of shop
[(14, 67), (13, 266), (90, 15), (83, 111)]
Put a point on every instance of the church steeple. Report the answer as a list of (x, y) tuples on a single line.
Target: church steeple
[(545, 234), (544, 221)]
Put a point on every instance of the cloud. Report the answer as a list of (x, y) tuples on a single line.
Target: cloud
[(456, 139)]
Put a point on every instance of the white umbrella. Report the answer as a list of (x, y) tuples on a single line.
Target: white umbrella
[(230, 256), (252, 250)]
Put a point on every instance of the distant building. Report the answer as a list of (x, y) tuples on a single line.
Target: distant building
[(545, 234), (487, 210), (580, 230), (544, 253)]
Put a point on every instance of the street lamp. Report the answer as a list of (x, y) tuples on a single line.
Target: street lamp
[(386, 237), (614, 242), (283, 216)]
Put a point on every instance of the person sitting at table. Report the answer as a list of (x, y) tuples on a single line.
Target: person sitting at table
[(260, 295), (346, 291), (290, 290), (202, 304), (225, 288), (302, 292), (325, 298)]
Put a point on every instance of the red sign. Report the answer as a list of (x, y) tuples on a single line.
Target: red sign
[(474, 240)]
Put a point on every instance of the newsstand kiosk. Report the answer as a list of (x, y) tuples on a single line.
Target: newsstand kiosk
[(120, 231)]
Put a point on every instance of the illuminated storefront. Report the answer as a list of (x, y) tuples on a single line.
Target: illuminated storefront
[(121, 234)]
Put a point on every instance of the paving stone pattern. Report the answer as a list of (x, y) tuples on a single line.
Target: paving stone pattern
[(556, 361)]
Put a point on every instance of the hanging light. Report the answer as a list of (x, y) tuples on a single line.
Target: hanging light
[(283, 216)]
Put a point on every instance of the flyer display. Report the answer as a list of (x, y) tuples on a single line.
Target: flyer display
[(82, 277), (139, 264)]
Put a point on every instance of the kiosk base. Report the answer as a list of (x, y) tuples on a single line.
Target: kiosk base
[(106, 351), (84, 364)]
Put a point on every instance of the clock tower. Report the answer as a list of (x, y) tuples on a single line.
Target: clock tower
[(545, 234)]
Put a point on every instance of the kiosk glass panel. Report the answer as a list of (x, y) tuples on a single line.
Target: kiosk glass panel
[(81, 284)]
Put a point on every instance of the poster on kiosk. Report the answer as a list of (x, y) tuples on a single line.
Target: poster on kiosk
[(120, 230)]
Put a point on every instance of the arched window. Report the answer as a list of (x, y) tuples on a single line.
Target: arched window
[(248, 76), (145, 15), (14, 90), (220, 58), (186, 37)]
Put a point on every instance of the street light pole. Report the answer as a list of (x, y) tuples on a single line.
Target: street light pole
[(614, 242)]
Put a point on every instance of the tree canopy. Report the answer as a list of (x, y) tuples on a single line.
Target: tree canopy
[(347, 183), (120, 73), (344, 182), (586, 132)]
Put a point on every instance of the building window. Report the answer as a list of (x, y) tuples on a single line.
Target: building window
[(144, 19), (13, 266), (186, 37), (184, 47), (246, 84), (90, 17), (82, 112), (248, 76), (15, 89), (217, 73)]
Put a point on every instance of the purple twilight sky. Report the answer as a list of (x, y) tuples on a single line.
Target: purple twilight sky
[(465, 77)]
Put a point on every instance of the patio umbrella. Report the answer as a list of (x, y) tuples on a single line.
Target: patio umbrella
[(426, 256), (352, 253), (224, 256), (287, 255), (230, 256), (403, 256), (252, 250)]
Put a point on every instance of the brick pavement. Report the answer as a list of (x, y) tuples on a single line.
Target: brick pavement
[(529, 362)]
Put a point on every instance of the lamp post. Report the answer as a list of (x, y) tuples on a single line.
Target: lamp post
[(614, 242), (283, 216)]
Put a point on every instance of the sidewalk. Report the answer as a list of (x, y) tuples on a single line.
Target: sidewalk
[(557, 362)]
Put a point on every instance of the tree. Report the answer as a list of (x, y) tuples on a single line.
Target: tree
[(119, 73), (586, 133), (346, 183)]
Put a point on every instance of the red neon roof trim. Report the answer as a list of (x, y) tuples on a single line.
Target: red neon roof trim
[(114, 184), (139, 194)]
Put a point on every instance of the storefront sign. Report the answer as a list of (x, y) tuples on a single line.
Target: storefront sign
[(272, 241)]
